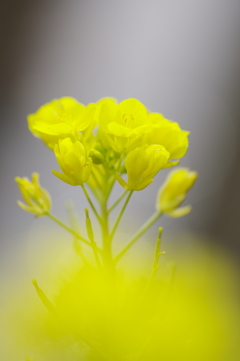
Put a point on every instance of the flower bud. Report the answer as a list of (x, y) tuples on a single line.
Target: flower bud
[(142, 164), (96, 156), (170, 135), (72, 159), (37, 199), (174, 191)]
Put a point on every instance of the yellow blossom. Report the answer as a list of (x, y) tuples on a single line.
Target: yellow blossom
[(174, 191), (170, 135), (37, 199), (61, 118), (73, 161), (122, 125), (142, 164), (91, 134)]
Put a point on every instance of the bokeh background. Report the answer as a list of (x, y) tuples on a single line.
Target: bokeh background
[(180, 58)]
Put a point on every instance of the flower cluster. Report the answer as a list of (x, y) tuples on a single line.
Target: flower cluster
[(100, 145), (124, 137)]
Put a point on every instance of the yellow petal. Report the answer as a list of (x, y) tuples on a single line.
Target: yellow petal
[(179, 212), (63, 177)]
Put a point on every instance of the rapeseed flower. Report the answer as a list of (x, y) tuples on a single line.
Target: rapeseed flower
[(37, 199), (142, 164), (128, 125), (122, 125), (73, 161), (61, 118), (174, 191)]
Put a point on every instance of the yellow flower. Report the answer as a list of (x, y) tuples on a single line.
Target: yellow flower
[(91, 134), (37, 199), (174, 191), (128, 125), (142, 164), (168, 134), (72, 159), (59, 119), (122, 125)]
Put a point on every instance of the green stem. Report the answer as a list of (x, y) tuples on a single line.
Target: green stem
[(47, 303), (95, 251), (157, 255), (93, 192), (91, 203), (70, 230), (75, 226), (92, 238), (117, 201), (106, 244), (101, 171), (95, 179), (155, 266), (138, 234), (120, 215), (114, 179), (111, 186)]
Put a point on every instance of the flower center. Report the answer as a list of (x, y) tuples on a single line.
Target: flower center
[(128, 120)]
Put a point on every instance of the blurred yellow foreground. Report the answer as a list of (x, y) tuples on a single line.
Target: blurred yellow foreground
[(186, 313)]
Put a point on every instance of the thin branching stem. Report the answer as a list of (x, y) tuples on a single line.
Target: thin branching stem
[(114, 179), (138, 234), (117, 201), (95, 179), (120, 215), (75, 226), (157, 255), (70, 230), (92, 238), (91, 203)]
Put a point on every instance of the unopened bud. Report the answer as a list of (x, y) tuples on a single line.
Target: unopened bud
[(96, 156)]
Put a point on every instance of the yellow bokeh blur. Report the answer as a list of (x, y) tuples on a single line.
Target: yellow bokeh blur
[(186, 313)]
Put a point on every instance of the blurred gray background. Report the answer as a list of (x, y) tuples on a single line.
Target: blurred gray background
[(180, 58)]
